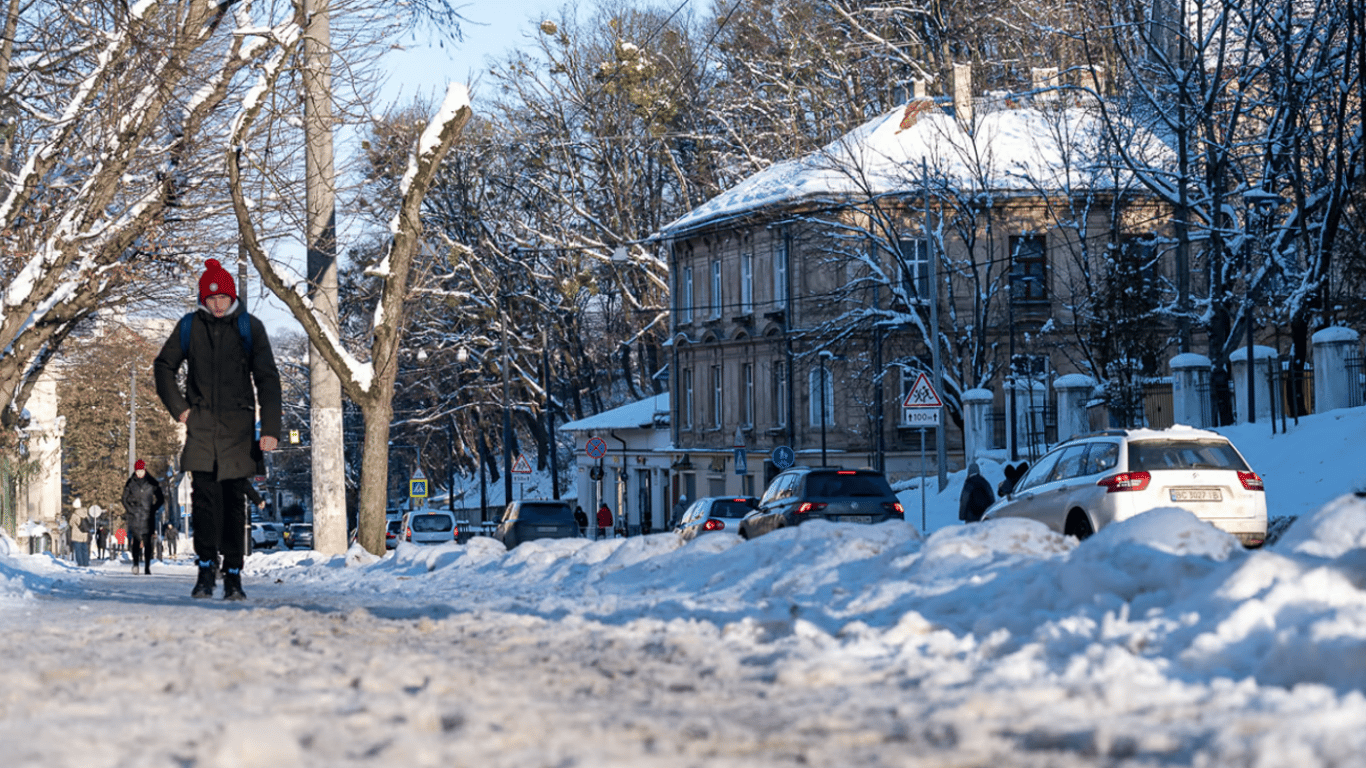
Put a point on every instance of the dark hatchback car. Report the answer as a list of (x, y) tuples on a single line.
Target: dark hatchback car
[(531, 519), (714, 513), (799, 494)]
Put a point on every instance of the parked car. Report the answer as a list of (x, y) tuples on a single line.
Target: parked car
[(1091, 481), (799, 494), (429, 526), (530, 519), (393, 529), (266, 535), (714, 513), (300, 536)]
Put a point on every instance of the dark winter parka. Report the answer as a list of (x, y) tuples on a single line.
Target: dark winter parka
[(220, 395), (142, 497)]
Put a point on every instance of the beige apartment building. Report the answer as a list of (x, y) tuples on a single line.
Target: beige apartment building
[(803, 304)]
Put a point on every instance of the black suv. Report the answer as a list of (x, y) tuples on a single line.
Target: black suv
[(799, 494), (530, 519)]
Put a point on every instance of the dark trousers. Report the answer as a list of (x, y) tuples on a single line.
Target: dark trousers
[(140, 544), (218, 514)]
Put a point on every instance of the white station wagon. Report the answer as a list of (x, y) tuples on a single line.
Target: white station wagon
[(1093, 480)]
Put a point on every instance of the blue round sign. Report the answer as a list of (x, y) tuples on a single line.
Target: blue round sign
[(784, 457), (596, 447)]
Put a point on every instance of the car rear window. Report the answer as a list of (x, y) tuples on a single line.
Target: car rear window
[(431, 524), (545, 513), (730, 509), (1156, 455), (839, 486)]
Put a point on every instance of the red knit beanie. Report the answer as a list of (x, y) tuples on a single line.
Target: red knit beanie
[(140, 464), (216, 280)]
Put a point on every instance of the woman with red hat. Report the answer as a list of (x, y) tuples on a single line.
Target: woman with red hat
[(142, 497)]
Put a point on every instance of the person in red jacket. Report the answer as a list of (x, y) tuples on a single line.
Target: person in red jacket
[(604, 520)]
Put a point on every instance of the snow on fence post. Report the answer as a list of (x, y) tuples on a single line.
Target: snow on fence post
[(1334, 384), (1264, 357), (1191, 401), (976, 423), (1074, 391)]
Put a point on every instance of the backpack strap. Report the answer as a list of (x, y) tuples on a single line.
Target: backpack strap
[(243, 330), (185, 323)]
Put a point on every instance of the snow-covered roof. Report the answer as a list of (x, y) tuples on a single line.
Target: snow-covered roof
[(642, 414), (1010, 149)]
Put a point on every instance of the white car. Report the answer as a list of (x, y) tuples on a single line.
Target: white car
[(265, 535), (1088, 482), (429, 527)]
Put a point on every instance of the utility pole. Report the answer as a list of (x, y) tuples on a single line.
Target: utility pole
[(329, 494), (132, 417)]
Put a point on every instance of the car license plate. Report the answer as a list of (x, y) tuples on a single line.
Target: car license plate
[(547, 528), (1196, 494), (856, 519)]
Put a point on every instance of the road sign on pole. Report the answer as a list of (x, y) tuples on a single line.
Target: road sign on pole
[(741, 461), (596, 448), (922, 395), (520, 466), (784, 457)]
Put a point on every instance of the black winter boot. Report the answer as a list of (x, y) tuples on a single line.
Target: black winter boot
[(232, 585), (204, 587)]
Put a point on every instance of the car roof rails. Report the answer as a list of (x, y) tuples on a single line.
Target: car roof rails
[(1115, 432)]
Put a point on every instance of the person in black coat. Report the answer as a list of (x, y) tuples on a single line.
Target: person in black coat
[(142, 497), (976, 496), (223, 388)]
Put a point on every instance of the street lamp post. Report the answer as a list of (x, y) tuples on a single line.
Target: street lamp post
[(1266, 203), (824, 355)]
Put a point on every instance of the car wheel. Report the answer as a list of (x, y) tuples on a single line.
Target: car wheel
[(1078, 525)]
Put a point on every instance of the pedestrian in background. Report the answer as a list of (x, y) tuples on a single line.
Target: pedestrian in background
[(80, 534), (581, 518), (976, 495), (142, 498), (679, 509), (120, 538), (604, 520), (101, 536), (231, 370), (172, 535)]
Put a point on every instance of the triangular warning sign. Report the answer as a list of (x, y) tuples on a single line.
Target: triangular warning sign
[(519, 466), (922, 395)]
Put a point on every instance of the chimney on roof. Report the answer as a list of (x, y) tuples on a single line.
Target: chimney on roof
[(962, 93), (920, 89)]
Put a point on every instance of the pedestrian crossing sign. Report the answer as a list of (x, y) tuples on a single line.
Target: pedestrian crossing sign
[(417, 488), (922, 395)]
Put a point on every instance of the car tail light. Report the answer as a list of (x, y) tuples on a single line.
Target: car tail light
[(713, 525), (409, 535), (895, 506), (1126, 481), (1251, 481), (810, 506)]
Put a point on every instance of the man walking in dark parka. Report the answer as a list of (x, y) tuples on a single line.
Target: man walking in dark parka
[(231, 370)]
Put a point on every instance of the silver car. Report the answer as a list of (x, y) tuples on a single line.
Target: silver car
[(1088, 482)]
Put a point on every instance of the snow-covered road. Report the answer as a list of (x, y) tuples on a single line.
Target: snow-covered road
[(1158, 642)]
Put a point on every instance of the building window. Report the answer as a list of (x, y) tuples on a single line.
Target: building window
[(915, 269), (685, 296), (780, 393), (1028, 269), (780, 273), (716, 397), (685, 408), (746, 283), (747, 401), (715, 288), (821, 390)]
